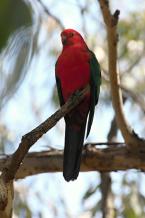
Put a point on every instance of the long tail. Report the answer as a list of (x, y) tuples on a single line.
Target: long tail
[(72, 152)]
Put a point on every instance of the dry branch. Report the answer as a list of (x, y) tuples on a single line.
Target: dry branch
[(13, 162), (47, 11), (111, 21), (109, 159)]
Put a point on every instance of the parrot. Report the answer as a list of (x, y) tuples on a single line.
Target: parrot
[(75, 68)]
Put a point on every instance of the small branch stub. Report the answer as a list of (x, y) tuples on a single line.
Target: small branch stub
[(116, 14)]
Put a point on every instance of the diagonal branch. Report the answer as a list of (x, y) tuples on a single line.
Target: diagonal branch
[(30, 138), (47, 11), (111, 21), (13, 162)]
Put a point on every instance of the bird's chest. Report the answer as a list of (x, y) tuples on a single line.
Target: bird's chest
[(73, 70)]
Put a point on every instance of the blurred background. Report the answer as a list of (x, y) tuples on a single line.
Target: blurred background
[(29, 47)]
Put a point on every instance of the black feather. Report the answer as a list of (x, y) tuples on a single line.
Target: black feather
[(73, 151)]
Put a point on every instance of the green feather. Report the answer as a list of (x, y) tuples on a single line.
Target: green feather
[(95, 82)]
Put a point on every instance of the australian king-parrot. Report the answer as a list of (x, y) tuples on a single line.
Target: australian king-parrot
[(75, 68)]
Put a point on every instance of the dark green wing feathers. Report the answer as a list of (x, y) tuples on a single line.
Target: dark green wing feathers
[(95, 82)]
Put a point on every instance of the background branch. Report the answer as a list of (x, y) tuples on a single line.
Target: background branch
[(111, 21), (107, 201), (127, 92), (47, 11)]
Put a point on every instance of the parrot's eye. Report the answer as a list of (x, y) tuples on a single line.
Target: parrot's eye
[(71, 34)]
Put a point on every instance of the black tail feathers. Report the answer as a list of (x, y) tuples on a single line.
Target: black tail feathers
[(72, 152)]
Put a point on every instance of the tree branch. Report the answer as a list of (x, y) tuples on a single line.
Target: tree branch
[(135, 97), (58, 21), (13, 162), (109, 159), (111, 21), (7, 204), (30, 138), (127, 92), (107, 201)]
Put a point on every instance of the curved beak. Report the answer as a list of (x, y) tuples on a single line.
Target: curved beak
[(63, 39)]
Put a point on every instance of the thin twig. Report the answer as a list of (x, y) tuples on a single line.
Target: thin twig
[(105, 143), (47, 11), (126, 91), (137, 99)]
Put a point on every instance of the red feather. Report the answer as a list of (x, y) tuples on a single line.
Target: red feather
[(73, 68)]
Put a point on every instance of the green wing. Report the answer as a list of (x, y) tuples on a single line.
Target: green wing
[(95, 82)]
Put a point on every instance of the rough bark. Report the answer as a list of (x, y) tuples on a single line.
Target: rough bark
[(6, 201), (113, 158)]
